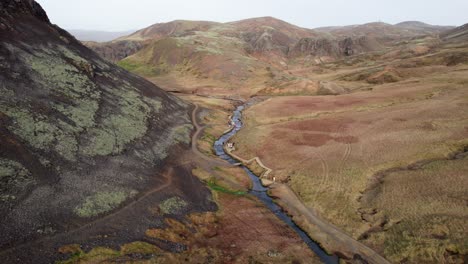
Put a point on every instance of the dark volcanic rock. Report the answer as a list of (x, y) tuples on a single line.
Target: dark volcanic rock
[(79, 137)]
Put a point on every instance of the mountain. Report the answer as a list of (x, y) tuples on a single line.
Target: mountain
[(209, 57), (423, 27), (97, 36), (79, 138), (459, 34), (173, 28), (383, 31), (119, 48), (268, 33)]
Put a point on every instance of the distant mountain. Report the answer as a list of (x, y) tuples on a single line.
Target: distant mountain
[(423, 27), (383, 31), (97, 36), (170, 29)]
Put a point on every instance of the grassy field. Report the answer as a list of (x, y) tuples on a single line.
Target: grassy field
[(333, 150)]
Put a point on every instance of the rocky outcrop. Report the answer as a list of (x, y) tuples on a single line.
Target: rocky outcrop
[(319, 47), (266, 41), (79, 136), (10, 9), (116, 50)]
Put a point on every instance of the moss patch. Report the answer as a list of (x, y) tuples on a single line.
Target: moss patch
[(172, 205), (102, 202), (119, 129)]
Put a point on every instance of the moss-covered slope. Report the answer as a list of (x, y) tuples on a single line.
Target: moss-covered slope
[(79, 136)]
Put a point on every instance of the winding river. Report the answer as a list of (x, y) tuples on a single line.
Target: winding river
[(260, 191)]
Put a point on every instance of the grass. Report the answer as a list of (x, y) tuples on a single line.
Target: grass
[(430, 211), (138, 67), (96, 255), (392, 126), (214, 186)]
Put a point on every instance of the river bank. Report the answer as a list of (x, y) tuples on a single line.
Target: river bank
[(328, 236)]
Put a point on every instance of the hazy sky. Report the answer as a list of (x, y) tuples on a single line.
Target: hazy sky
[(121, 15)]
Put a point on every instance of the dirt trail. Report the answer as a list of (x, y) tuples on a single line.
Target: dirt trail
[(244, 161), (198, 131)]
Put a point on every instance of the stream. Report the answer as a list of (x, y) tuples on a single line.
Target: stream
[(260, 191)]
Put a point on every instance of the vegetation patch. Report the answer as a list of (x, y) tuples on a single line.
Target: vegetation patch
[(96, 255), (172, 205), (102, 202), (214, 186), (119, 129), (139, 247)]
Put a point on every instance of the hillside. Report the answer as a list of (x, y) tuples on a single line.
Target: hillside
[(215, 58), (459, 34), (80, 138), (385, 32)]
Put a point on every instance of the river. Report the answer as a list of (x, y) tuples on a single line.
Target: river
[(260, 191)]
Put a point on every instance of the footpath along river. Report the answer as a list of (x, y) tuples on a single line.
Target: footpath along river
[(260, 191)]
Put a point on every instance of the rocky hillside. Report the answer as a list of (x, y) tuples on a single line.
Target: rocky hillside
[(334, 48), (79, 136), (265, 34), (459, 34), (116, 50)]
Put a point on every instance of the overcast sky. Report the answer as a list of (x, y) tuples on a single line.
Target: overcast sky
[(122, 15)]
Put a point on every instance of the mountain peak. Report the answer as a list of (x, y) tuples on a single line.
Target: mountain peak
[(11, 8)]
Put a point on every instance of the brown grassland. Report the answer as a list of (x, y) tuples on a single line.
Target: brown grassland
[(359, 159)]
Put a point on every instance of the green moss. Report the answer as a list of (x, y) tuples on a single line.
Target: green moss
[(82, 112), (33, 129), (102, 202), (119, 129), (172, 205), (67, 146), (101, 143), (39, 132), (56, 70), (58, 75)]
